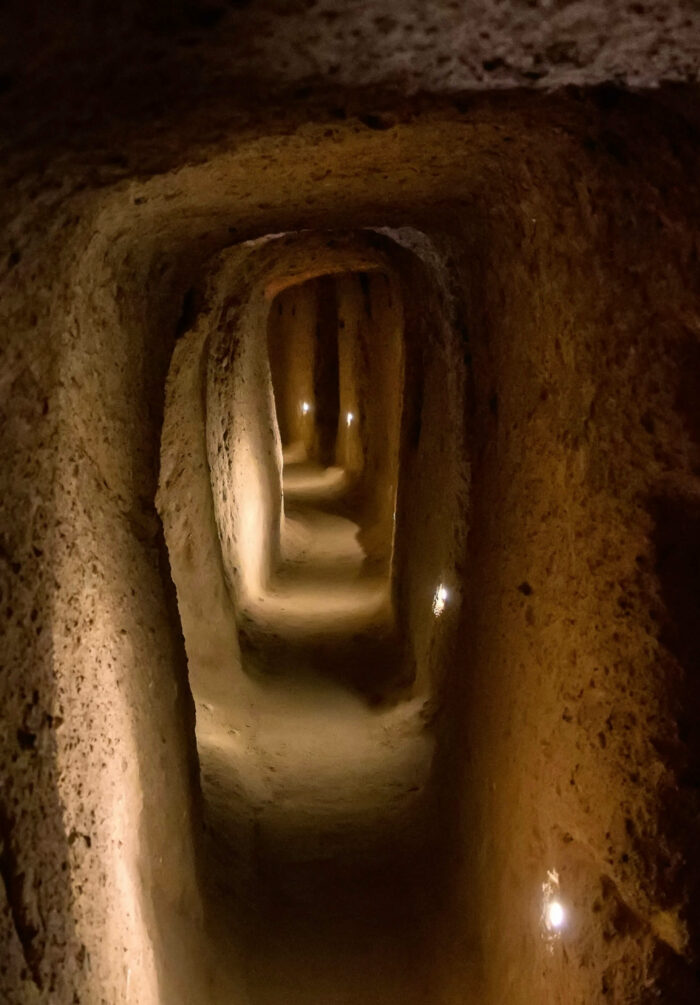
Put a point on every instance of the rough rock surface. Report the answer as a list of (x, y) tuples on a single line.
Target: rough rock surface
[(564, 226)]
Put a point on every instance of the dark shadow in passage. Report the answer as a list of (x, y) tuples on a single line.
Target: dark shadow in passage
[(677, 552), (334, 908)]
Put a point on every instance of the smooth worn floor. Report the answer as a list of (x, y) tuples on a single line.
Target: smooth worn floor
[(317, 803)]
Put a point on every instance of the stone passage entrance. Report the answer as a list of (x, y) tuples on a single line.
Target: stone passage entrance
[(349, 539)]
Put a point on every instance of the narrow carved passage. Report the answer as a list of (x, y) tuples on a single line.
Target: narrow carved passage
[(316, 766), (318, 809), (349, 514)]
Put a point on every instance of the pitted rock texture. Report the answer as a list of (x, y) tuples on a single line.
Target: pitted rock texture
[(561, 417), (444, 46)]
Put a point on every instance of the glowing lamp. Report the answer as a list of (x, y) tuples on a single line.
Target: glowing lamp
[(553, 911), (440, 600), (555, 916)]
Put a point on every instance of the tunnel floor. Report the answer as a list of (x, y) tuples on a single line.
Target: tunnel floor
[(317, 800), (322, 595)]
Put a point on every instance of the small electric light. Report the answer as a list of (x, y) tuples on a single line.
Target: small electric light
[(553, 911), (440, 600), (556, 916), (350, 418), (305, 408)]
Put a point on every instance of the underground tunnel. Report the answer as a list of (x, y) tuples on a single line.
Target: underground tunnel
[(349, 548), (311, 703)]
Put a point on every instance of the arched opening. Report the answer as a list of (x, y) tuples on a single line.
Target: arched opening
[(314, 720)]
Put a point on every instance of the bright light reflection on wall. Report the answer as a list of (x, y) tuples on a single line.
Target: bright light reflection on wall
[(553, 911), (305, 408), (556, 915), (350, 418), (440, 600)]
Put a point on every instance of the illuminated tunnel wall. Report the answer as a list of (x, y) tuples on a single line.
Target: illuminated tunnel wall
[(240, 475), (547, 476)]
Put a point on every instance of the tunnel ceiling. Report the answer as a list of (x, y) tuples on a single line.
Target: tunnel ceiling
[(443, 46), (193, 68)]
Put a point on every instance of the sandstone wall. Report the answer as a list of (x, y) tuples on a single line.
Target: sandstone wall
[(568, 230), (243, 446), (384, 349), (578, 307), (292, 349), (351, 442)]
